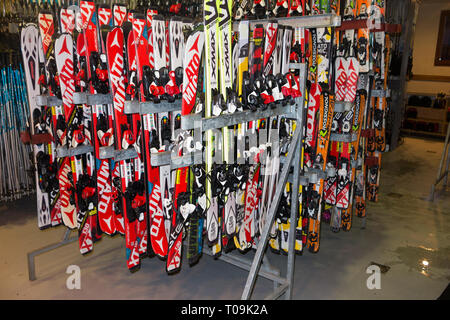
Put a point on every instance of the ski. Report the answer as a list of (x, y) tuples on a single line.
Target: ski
[(48, 79), (30, 53)]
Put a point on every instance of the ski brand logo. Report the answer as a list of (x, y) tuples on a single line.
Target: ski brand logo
[(210, 11), (47, 29), (312, 109), (324, 129), (119, 12), (226, 57), (103, 183), (150, 14), (174, 257), (67, 210), (357, 111), (29, 50), (175, 32), (104, 16), (278, 48), (138, 27), (191, 74), (224, 14), (67, 20), (143, 241), (158, 32), (174, 235), (66, 74), (251, 199), (157, 216), (133, 259), (86, 239), (87, 10), (271, 33), (313, 67), (352, 81), (341, 80), (116, 73), (286, 51), (213, 58)]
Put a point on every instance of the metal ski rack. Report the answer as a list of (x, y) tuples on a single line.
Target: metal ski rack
[(30, 255), (442, 175), (45, 100), (260, 264)]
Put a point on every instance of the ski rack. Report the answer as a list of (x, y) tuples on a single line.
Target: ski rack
[(30, 255), (282, 285), (293, 111), (442, 175), (91, 99), (44, 100), (313, 21)]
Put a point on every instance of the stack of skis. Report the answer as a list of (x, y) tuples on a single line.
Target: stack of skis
[(88, 64)]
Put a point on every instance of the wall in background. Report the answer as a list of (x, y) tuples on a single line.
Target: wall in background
[(425, 38)]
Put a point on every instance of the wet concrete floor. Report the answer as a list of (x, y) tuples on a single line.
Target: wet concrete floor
[(405, 235)]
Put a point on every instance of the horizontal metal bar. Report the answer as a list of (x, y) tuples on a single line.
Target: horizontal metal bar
[(343, 137), (46, 100), (125, 154), (63, 152), (187, 160), (54, 101), (314, 175), (245, 264), (41, 100), (131, 106), (380, 93), (92, 99), (342, 106), (163, 106), (106, 152), (314, 21), (188, 121), (134, 106), (294, 65), (158, 159), (31, 255)]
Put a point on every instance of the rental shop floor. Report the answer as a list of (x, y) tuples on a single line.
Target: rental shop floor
[(402, 230)]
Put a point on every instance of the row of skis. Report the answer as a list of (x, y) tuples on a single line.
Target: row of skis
[(207, 69)]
